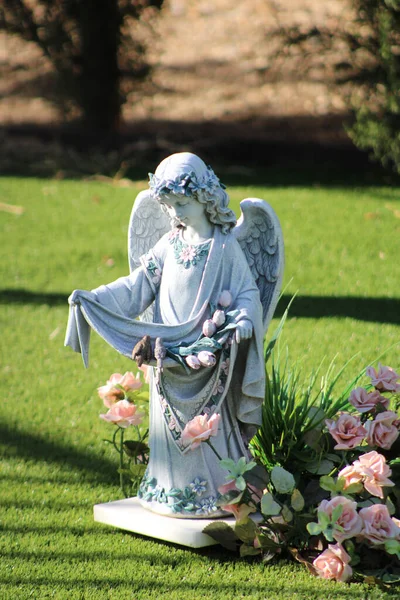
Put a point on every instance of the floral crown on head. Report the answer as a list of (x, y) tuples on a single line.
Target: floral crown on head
[(185, 184)]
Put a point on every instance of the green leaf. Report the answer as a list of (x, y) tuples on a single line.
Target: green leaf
[(287, 514), (336, 513), (327, 483), (247, 550), (268, 506), (240, 483), (223, 534), (297, 500), (322, 467), (246, 531), (231, 497), (354, 488), (314, 528), (134, 448), (324, 519), (137, 470), (257, 477)]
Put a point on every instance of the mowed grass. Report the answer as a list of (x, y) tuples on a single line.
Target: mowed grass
[(342, 259)]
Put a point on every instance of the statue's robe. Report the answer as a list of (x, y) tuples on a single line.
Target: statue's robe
[(182, 482)]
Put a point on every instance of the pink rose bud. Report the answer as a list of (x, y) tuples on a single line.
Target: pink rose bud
[(333, 563), (219, 318), (199, 430), (207, 359), (193, 362), (384, 379), (225, 299), (209, 328)]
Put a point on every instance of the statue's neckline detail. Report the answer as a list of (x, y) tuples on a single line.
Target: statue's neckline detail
[(187, 255)]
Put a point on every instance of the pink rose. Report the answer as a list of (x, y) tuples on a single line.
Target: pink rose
[(123, 413), (384, 378), (378, 526), (207, 359), (349, 520), (225, 299), (219, 318), (209, 328), (239, 511), (200, 429), (383, 430), (365, 401), (333, 563), (375, 472), (193, 362), (146, 370), (116, 387), (228, 487), (347, 431), (351, 475)]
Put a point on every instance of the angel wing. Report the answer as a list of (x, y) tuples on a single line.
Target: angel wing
[(147, 225), (259, 234)]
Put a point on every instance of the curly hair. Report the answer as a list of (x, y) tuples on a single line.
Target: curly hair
[(186, 174)]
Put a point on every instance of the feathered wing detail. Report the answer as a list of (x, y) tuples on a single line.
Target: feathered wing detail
[(259, 234), (147, 225)]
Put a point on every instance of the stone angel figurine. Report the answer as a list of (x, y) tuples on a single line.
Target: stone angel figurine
[(204, 289)]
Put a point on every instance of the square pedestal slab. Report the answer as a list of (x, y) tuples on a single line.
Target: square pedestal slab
[(130, 515)]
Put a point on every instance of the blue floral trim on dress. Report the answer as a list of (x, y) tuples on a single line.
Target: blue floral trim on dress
[(184, 253), (154, 271), (179, 500), (185, 184)]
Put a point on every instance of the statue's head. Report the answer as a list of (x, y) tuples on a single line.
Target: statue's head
[(187, 175)]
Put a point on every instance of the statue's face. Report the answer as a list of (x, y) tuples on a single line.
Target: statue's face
[(187, 210)]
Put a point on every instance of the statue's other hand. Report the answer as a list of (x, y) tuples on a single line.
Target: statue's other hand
[(73, 299), (244, 330)]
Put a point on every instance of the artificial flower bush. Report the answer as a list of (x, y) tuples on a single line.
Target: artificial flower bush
[(327, 488), (118, 396)]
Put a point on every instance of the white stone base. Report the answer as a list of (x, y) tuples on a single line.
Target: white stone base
[(130, 515)]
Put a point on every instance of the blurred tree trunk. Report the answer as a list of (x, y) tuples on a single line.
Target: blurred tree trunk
[(84, 41), (99, 25)]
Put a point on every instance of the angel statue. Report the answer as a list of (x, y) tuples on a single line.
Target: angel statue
[(195, 307)]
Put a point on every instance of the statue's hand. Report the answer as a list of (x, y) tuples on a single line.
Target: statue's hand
[(244, 330), (73, 299)]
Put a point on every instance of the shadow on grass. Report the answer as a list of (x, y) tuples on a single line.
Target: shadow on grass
[(34, 447), (242, 589), (377, 310)]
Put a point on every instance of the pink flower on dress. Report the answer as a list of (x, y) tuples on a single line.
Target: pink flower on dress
[(193, 362), (206, 358), (349, 520), (199, 430), (173, 234), (123, 413), (219, 388), (383, 431), (219, 318), (172, 424), (347, 431), (384, 379), (378, 526), (116, 387), (209, 328), (187, 254), (225, 299), (225, 366), (375, 472), (333, 563), (365, 401)]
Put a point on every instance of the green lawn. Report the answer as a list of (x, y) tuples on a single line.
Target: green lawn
[(342, 259)]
